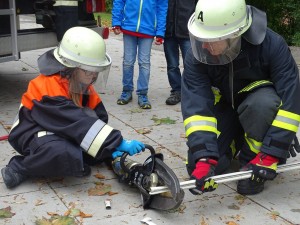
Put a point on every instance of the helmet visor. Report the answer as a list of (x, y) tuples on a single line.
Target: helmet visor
[(216, 52), (80, 79)]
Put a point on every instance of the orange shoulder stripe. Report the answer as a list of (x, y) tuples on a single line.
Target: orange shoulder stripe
[(43, 85), (53, 85)]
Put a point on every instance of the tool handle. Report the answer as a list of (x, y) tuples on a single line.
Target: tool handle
[(224, 178), (125, 154), (5, 137)]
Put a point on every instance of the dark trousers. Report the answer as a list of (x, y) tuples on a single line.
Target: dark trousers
[(48, 156), (65, 18), (171, 49), (253, 116)]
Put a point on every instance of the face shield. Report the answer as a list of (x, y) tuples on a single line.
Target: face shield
[(219, 52), (82, 76)]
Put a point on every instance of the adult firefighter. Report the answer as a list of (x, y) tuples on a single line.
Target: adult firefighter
[(241, 74), (61, 127)]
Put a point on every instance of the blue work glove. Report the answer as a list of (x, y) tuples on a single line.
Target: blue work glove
[(132, 147), (117, 154)]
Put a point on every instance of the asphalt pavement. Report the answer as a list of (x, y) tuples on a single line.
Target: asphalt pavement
[(41, 201)]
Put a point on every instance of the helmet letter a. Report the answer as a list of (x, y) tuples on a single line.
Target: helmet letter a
[(200, 16)]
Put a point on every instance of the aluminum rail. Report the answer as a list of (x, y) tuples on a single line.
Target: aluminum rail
[(224, 178)]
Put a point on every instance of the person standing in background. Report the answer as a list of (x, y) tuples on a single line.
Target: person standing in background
[(177, 37), (140, 21), (66, 16)]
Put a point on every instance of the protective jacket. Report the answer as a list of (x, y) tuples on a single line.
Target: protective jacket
[(179, 12), (46, 108), (263, 61), (146, 17)]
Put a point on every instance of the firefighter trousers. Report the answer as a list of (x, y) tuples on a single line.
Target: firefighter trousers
[(252, 119), (49, 156), (253, 116)]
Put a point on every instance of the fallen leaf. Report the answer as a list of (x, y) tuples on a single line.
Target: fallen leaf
[(231, 223), (74, 212), (143, 131), (6, 212), (183, 135), (203, 222), (110, 193), (136, 110), (274, 215), (39, 202), (233, 206), (52, 214), (85, 215), (99, 176), (99, 190), (56, 220), (159, 121)]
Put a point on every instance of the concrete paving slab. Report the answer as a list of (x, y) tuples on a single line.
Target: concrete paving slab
[(30, 206)]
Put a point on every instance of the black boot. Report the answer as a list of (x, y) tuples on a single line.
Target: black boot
[(12, 178), (250, 187), (174, 98), (85, 172)]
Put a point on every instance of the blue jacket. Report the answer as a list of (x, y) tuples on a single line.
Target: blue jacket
[(146, 17)]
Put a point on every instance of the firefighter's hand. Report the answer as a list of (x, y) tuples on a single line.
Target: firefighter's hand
[(263, 167), (132, 147), (116, 30), (205, 168)]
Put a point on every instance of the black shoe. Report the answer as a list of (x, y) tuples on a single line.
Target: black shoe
[(249, 187), (12, 178), (174, 98), (85, 172)]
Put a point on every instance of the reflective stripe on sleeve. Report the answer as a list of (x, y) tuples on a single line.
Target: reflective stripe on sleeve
[(287, 120), (95, 137), (200, 123), (16, 121), (99, 140), (254, 85)]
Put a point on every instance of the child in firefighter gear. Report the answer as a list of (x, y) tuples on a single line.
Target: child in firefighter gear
[(240, 91), (61, 127)]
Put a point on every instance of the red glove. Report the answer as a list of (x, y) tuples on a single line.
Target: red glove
[(205, 168), (159, 40), (263, 167)]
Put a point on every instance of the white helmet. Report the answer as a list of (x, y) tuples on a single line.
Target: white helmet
[(84, 48), (216, 28)]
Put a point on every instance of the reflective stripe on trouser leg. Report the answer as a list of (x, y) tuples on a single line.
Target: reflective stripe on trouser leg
[(257, 112)]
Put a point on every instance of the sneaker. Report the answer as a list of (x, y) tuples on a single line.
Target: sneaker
[(85, 172), (144, 102), (174, 98), (250, 187), (125, 98), (12, 178)]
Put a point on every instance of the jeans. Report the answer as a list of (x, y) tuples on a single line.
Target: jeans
[(132, 46), (171, 48)]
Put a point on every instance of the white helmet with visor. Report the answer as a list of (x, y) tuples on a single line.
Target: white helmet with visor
[(216, 28), (84, 48)]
